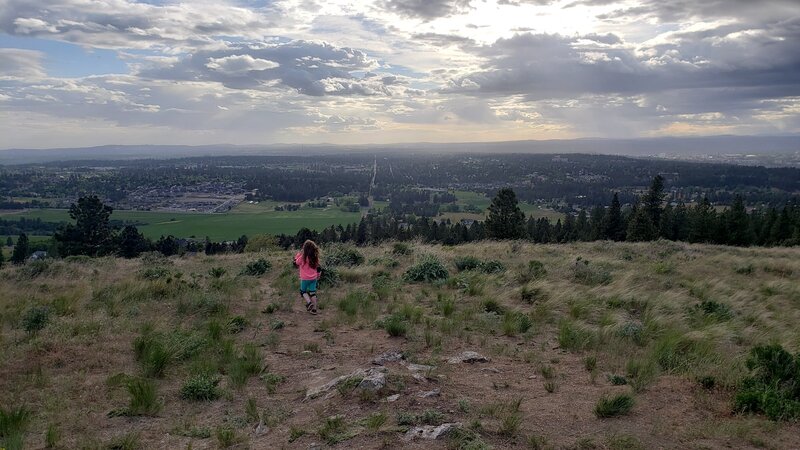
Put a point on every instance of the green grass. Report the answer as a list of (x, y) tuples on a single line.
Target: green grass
[(247, 220), (619, 405)]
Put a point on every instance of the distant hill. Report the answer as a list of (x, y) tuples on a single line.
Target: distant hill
[(631, 147)]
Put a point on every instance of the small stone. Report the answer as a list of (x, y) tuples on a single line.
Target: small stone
[(392, 398), (261, 429), (430, 432), (386, 357), (434, 393), (420, 368), (468, 357)]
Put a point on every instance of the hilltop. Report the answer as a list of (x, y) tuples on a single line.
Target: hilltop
[(216, 351)]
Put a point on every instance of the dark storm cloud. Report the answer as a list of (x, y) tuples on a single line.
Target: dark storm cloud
[(312, 68), (426, 9)]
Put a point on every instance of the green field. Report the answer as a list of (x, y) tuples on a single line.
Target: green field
[(246, 219)]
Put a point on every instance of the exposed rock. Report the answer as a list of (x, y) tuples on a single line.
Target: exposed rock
[(386, 357), (392, 398), (468, 357), (428, 394), (419, 368), (430, 432), (373, 378), (419, 377), (261, 429)]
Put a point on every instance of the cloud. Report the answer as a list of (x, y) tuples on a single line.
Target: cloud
[(310, 68), (122, 24), (19, 63), (239, 64), (426, 9)]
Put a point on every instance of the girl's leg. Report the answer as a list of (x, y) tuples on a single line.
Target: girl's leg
[(313, 295), (307, 297)]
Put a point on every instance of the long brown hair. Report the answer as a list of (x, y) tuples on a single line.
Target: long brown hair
[(311, 253)]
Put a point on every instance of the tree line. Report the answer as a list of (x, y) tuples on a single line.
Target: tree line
[(93, 233)]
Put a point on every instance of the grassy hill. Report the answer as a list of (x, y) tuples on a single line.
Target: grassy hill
[(193, 353)]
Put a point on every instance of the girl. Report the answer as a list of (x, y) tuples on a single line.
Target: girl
[(307, 261)]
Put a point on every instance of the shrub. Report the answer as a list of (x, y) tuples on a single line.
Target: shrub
[(401, 248), (574, 338), (272, 381), (128, 441), (509, 426), (200, 387), (329, 276), (530, 295), (773, 385), (353, 302), (334, 430), (431, 417), (144, 398), (429, 269), (13, 423), (632, 331), (217, 272), (589, 274), (375, 421), (152, 354), (491, 305), (707, 382), (515, 322), (467, 263), (533, 271), (35, 318), (154, 273), (256, 268), (617, 380), (237, 324), (619, 405), (713, 310), (590, 363), (395, 325), (246, 365), (342, 255), (676, 353), (227, 437), (492, 266)]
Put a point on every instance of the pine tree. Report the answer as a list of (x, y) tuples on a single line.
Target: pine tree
[(2, 258), (91, 234), (21, 250), (651, 202), (582, 230), (614, 226), (680, 222), (701, 222), (640, 227), (666, 228), (131, 243), (596, 221), (506, 220), (9, 242), (739, 231)]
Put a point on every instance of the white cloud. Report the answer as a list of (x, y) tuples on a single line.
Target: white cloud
[(239, 64)]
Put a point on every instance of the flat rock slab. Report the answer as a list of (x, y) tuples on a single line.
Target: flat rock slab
[(434, 393), (387, 357), (468, 357), (430, 432), (419, 368), (373, 378)]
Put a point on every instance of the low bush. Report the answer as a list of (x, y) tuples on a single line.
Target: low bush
[(35, 318), (395, 325), (329, 276), (144, 398), (533, 271), (200, 387), (713, 310), (401, 248), (574, 338), (619, 405), (256, 268), (773, 385), (154, 273), (467, 263), (591, 275), (13, 423), (217, 272), (429, 269), (342, 255)]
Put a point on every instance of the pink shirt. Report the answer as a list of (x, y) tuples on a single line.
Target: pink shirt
[(306, 271)]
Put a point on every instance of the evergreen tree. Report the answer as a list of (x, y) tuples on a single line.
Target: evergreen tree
[(91, 234), (782, 228), (2, 259), (568, 230), (701, 222), (614, 225), (739, 231), (9, 242), (651, 202), (596, 223), (131, 243), (361, 233), (582, 230), (169, 246), (680, 222), (640, 227), (666, 228), (21, 250), (506, 220)]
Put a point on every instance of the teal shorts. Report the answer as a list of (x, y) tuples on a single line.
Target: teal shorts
[(308, 286)]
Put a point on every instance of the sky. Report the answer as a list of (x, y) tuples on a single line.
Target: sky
[(93, 72)]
